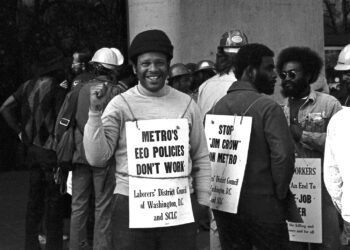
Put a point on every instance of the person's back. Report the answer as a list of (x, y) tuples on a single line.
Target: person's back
[(90, 180), (270, 162), (38, 102), (113, 89), (267, 115), (213, 89)]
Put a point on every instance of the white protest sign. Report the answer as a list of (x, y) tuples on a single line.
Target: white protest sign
[(228, 141), (158, 157), (306, 186)]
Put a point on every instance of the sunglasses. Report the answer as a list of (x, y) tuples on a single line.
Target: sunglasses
[(290, 73)]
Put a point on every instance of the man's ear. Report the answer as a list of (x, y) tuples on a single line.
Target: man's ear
[(251, 73), (134, 68)]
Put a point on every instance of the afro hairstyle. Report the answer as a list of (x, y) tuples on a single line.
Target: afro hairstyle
[(309, 60)]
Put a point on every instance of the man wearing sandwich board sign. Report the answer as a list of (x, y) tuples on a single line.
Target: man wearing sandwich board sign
[(258, 217), (157, 137)]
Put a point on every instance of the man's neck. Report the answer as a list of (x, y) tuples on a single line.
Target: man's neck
[(303, 94), (162, 92)]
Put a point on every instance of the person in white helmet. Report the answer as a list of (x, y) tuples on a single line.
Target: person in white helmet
[(343, 68), (89, 180), (336, 158)]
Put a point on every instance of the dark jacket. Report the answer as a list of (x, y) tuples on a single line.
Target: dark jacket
[(270, 163), (83, 105)]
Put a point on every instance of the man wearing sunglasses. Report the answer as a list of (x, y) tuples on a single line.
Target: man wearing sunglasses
[(308, 113)]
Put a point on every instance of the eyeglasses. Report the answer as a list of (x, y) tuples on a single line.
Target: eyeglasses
[(290, 73)]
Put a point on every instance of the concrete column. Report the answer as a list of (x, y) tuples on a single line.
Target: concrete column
[(195, 27)]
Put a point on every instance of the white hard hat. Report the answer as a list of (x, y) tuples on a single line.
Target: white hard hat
[(343, 63), (108, 57)]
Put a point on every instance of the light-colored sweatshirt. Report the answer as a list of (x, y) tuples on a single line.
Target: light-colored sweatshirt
[(104, 132)]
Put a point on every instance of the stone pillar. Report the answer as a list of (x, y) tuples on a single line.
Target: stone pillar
[(195, 27)]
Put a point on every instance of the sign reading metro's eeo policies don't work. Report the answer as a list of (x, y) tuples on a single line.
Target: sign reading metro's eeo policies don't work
[(228, 141), (159, 193), (306, 186)]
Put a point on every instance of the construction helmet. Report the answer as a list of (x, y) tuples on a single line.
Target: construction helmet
[(108, 57), (231, 41), (205, 64), (178, 69), (343, 63)]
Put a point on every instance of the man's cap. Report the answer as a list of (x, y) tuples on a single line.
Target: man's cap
[(232, 40), (151, 41)]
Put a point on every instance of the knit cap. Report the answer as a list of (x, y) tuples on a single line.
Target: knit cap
[(150, 41)]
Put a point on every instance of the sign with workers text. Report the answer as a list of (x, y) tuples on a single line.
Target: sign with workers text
[(158, 162), (228, 141), (306, 187)]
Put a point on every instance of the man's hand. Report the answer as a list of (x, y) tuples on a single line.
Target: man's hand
[(296, 131), (98, 96)]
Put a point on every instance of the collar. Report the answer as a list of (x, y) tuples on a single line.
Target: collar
[(310, 98), (145, 92), (242, 85)]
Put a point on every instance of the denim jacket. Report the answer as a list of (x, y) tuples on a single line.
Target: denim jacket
[(313, 117)]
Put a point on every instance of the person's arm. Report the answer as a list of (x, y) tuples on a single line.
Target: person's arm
[(316, 140), (199, 153), (281, 149), (335, 156), (8, 111), (100, 133)]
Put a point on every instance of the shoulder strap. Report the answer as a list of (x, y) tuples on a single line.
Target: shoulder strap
[(132, 113), (251, 105), (69, 112), (188, 105), (66, 116)]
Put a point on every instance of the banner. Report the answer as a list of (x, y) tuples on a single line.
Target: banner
[(158, 157), (228, 141), (306, 186)]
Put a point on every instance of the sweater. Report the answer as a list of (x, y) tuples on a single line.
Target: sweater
[(105, 134)]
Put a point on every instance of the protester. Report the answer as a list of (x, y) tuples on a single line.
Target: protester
[(105, 136), (31, 112), (88, 179), (180, 78), (262, 208), (343, 68), (336, 170), (308, 113), (216, 87)]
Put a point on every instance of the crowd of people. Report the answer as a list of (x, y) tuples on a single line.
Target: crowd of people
[(111, 102)]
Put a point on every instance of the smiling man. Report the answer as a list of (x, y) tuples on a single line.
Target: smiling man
[(108, 135), (261, 216)]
